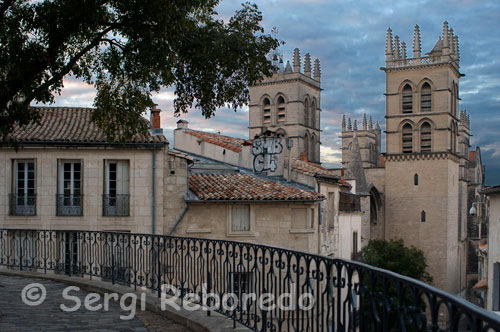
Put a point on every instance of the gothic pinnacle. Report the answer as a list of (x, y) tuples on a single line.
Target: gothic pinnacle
[(349, 126), (403, 50), (397, 50), (364, 121), (416, 42), (296, 60), (446, 44), (307, 65), (355, 125), (389, 48), (343, 122), (370, 123), (317, 70)]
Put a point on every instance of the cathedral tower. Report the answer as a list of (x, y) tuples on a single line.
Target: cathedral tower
[(289, 102), (426, 142)]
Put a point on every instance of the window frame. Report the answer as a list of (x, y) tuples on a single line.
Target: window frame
[(229, 228), (309, 223), (63, 209), (24, 209), (404, 138), (407, 103), (426, 97), (117, 204), (426, 141)]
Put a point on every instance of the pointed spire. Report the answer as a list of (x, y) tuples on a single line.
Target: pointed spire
[(416, 42), (343, 122), (349, 126), (445, 36), (461, 116), (452, 42), (456, 51), (370, 123), (364, 121), (307, 65), (355, 125), (403, 50), (355, 166), (377, 126), (468, 121), (389, 48), (288, 68), (397, 50), (296, 60), (317, 70)]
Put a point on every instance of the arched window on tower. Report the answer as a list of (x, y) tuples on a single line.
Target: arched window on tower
[(454, 133), (312, 149), (407, 141), (425, 137), (407, 99), (306, 112), (426, 98), (266, 111), (306, 145), (281, 109), (312, 121)]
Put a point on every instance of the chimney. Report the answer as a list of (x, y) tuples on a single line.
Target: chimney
[(182, 124), (155, 118)]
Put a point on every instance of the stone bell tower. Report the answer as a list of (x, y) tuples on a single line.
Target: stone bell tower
[(288, 102), (424, 185)]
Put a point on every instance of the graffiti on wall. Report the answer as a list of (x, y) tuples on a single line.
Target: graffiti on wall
[(264, 149)]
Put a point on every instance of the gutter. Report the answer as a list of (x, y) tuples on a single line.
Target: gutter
[(254, 201), (92, 144)]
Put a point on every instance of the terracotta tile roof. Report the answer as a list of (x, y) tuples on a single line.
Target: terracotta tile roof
[(245, 187), (230, 143), (70, 125), (483, 248), (313, 169)]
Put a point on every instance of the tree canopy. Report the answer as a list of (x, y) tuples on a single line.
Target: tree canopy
[(394, 256), (128, 49)]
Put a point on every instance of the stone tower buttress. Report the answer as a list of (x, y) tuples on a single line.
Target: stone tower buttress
[(289, 102)]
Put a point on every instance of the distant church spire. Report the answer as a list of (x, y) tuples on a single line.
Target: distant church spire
[(416, 42)]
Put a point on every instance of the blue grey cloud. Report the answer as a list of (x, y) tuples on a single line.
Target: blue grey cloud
[(349, 39)]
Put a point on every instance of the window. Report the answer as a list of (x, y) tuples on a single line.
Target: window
[(407, 99), (69, 196), (407, 138), (426, 98), (355, 242), (242, 282), (116, 195), (301, 218), (425, 137), (306, 112), (23, 199), (496, 287), (266, 111), (422, 216), (281, 109), (240, 221), (415, 179), (313, 115)]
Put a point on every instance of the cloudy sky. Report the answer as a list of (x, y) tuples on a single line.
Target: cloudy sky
[(348, 37)]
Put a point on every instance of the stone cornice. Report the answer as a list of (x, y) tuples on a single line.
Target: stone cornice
[(422, 156)]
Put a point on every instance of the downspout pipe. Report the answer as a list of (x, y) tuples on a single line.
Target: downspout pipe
[(319, 219), (153, 197)]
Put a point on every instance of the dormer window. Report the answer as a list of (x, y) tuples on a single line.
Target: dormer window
[(426, 98), (281, 109), (266, 111), (407, 99)]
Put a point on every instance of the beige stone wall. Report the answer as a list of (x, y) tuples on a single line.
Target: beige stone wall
[(140, 189), (270, 225), (348, 224), (437, 194), (493, 243)]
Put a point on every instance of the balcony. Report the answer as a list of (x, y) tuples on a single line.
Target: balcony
[(285, 290), (22, 205), (69, 205), (115, 205)]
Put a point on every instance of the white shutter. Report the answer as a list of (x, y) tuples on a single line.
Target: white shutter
[(240, 218), (122, 177)]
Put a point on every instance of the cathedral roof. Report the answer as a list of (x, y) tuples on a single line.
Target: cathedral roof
[(312, 169)]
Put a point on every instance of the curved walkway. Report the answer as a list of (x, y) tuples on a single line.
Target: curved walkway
[(15, 315)]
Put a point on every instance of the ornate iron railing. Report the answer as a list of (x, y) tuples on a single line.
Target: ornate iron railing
[(115, 205), (309, 292), (69, 205), (22, 205)]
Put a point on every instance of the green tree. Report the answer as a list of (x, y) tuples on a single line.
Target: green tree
[(128, 49), (394, 256)]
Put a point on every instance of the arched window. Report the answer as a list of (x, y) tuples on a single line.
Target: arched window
[(306, 112), (281, 109), (422, 216), (407, 138), (415, 179), (266, 111), (454, 132), (425, 137), (306, 145), (407, 99), (312, 149), (312, 121), (426, 98)]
